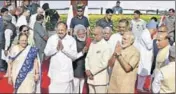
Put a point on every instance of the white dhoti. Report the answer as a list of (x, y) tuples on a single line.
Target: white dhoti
[(78, 85), (97, 89), (56, 87)]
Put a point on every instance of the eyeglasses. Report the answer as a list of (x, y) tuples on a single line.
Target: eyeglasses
[(25, 30)]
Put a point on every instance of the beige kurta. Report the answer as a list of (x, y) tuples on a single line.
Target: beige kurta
[(162, 57), (97, 60), (122, 82), (168, 83)]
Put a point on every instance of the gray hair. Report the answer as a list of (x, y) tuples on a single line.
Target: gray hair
[(108, 29), (7, 18), (132, 37), (78, 28)]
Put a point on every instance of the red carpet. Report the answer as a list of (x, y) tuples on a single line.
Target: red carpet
[(4, 86), (147, 86), (45, 79)]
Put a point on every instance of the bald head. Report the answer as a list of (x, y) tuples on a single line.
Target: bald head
[(108, 29), (40, 10), (107, 33), (98, 33), (162, 40)]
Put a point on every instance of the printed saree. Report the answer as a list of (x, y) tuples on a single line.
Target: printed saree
[(23, 71)]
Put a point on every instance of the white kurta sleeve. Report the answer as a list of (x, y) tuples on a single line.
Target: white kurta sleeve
[(157, 82), (50, 49), (104, 61), (80, 54), (147, 41), (71, 51), (14, 20), (21, 21), (8, 34)]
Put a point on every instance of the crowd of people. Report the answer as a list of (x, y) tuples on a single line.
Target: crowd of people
[(120, 62)]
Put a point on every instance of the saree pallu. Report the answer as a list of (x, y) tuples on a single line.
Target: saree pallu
[(23, 71)]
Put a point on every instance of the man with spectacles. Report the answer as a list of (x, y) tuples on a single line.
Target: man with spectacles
[(163, 45), (164, 81), (79, 19)]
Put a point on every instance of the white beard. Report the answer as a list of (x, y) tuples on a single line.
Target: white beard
[(81, 39)]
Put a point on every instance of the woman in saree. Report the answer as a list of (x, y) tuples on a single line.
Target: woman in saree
[(25, 30), (23, 67)]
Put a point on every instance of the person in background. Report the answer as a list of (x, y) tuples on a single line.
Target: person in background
[(146, 55), (61, 47), (40, 35), (7, 4), (79, 19), (155, 48), (12, 10), (51, 18), (34, 16), (137, 26), (79, 64), (97, 63), (4, 12), (164, 81), (124, 71), (18, 12), (107, 33), (3, 64), (26, 4), (9, 33), (169, 21), (123, 26), (106, 21), (163, 46), (117, 9), (22, 20), (34, 5)]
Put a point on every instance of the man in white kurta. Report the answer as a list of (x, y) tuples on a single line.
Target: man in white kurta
[(22, 20), (137, 26), (146, 52), (97, 62), (62, 49)]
